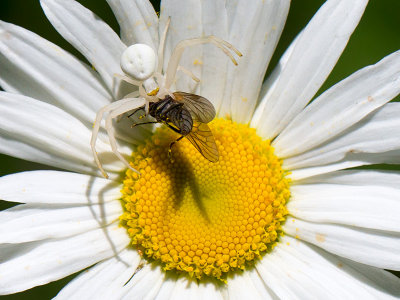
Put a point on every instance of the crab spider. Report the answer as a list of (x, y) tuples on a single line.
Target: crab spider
[(139, 63)]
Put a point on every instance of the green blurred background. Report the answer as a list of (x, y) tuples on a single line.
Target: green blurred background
[(377, 35)]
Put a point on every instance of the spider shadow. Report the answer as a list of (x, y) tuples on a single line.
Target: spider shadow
[(96, 195)]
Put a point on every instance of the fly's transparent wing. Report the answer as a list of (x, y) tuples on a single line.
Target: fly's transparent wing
[(199, 107), (203, 140)]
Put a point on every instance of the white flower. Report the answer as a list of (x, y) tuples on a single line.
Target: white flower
[(343, 227)]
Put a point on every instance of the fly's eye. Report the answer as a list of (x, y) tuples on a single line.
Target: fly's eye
[(139, 61)]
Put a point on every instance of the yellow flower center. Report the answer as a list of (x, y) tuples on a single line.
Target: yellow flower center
[(204, 218)]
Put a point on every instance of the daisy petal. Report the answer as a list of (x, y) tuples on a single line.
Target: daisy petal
[(301, 265), (255, 30), (261, 286), (89, 34), (360, 200), (381, 178), (274, 274), (378, 280), (208, 291), (247, 285), (145, 284), (46, 134), (105, 280), (374, 139), (33, 222), (182, 289), (372, 247), (35, 67), (185, 23), (137, 20), (215, 63), (65, 188), (167, 288), (323, 40), (55, 259), (341, 106), (185, 289)]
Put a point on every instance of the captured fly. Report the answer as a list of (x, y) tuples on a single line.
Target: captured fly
[(187, 115)]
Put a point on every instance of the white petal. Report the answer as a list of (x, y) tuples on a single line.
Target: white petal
[(311, 60), (145, 284), (33, 222), (359, 200), (37, 131), (275, 274), (105, 280), (208, 291), (55, 187), (215, 62), (328, 277), (255, 30), (167, 288), (375, 139), (137, 20), (35, 67), (341, 106), (89, 34), (183, 288), (262, 287), (186, 23), (247, 285), (381, 178), (51, 260), (372, 247), (190, 289), (380, 282)]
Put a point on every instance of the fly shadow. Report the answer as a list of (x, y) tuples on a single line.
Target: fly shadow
[(183, 180)]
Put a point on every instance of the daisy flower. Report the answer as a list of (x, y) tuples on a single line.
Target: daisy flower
[(283, 214)]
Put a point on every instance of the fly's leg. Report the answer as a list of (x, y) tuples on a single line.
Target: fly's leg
[(137, 124), (135, 111), (171, 159)]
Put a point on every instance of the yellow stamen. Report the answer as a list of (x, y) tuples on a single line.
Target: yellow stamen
[(206, 219)]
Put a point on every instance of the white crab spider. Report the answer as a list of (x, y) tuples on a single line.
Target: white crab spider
[(139, 63)]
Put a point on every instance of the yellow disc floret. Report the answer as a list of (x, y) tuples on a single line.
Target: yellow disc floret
[(204, 218)]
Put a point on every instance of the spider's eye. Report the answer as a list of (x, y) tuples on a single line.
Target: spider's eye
[(139, 61)]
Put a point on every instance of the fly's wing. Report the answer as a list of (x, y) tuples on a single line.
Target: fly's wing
[(203, 140), (199, 107)]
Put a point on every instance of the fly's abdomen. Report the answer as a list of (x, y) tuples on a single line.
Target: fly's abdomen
[(186, 122), (182, 119)]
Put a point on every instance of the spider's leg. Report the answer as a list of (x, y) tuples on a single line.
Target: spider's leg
[(188, 73), (132, 104), (162, 46), (134, 94), (96, 128)]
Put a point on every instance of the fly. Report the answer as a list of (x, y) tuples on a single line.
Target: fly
[(188, 115)]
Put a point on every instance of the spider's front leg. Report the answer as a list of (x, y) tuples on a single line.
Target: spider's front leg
[(114, 110), (173, 63), (96, 128)]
